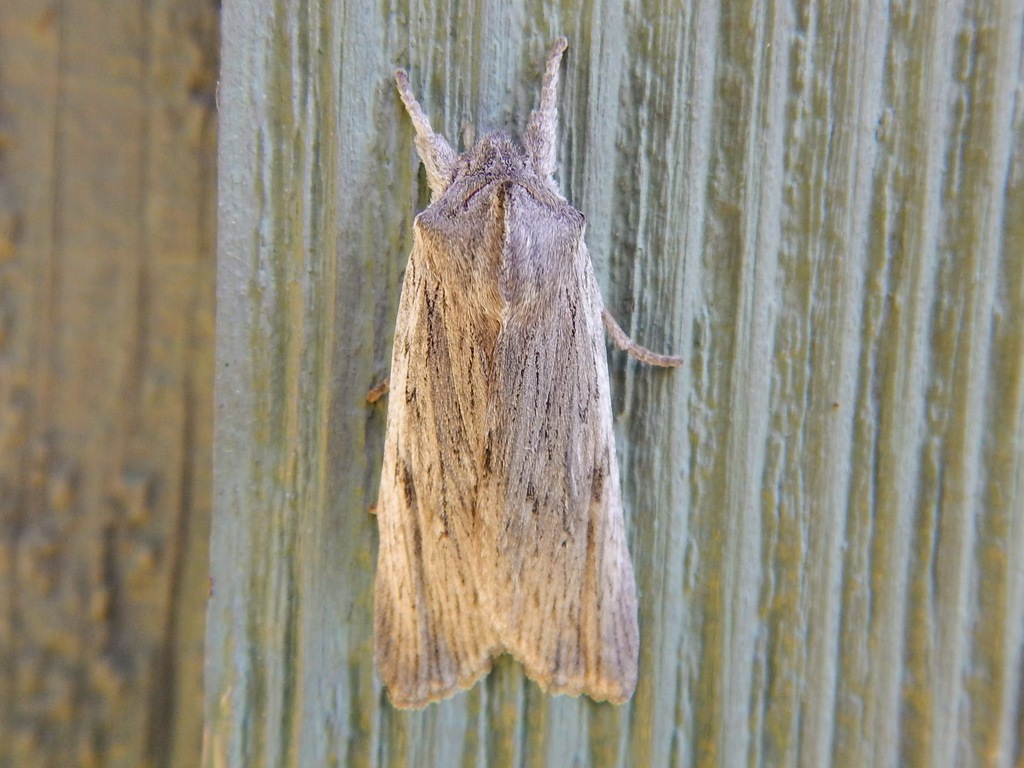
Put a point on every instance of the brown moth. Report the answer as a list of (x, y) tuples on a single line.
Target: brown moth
[(501, 527)]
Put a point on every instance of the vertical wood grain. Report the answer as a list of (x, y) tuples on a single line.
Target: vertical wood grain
[(819, 207), (107, 223)]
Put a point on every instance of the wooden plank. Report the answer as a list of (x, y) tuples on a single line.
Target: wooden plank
[(107, 236), (818, 207)]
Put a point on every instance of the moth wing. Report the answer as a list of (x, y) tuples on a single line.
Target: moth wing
[(560, 582), (431, 637)]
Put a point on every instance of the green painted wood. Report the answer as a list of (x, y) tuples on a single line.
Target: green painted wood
[(819, 207)]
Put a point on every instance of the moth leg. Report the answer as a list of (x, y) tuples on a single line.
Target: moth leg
[(468, 134), (627, 345), (378, 391)]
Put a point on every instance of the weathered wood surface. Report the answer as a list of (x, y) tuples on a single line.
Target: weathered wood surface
[(821, 208), (107, 234)]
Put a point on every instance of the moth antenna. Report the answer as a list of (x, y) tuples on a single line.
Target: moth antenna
[(630, 347), (434, 150), (541, 135)]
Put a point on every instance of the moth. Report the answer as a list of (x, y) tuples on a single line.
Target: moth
[(500, 516)]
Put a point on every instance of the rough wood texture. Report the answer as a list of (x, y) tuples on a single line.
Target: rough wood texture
[(107, 216), (822, 209)]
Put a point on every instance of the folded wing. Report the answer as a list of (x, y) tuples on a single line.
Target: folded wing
[(431, 636), (559, 582)]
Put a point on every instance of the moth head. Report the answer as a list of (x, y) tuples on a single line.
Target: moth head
[(496, 160), (496, 152)]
